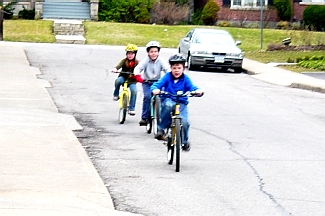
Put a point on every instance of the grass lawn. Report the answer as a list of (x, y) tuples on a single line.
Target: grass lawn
[(109, 33), (39, 31)]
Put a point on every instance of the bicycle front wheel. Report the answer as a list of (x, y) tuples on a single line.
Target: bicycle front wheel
[(149, 126), (178, 144), (156, 115), (170, 150), (123, 109)]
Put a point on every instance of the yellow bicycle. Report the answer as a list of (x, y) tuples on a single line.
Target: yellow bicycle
[(174, 132), (124, 100)]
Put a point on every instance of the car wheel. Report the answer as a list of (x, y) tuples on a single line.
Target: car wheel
[(190, 66), (238, 70)]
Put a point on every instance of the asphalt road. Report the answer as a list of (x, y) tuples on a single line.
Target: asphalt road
[(318, 75), (257, 148)]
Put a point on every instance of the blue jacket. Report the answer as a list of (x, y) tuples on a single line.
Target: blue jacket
[(171, 85)]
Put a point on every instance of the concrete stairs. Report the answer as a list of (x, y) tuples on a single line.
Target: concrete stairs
[(69, 31)]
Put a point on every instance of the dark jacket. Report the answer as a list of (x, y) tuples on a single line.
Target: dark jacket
[(127, 66)]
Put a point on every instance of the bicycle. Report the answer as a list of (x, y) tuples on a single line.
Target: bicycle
[(124, 100), (174, 132), (154, 112)]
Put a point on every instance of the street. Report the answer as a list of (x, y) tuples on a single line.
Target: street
[(257, 148)]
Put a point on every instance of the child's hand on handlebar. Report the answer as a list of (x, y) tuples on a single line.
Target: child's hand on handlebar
[(114, 70), (197, 93), (156, 91)]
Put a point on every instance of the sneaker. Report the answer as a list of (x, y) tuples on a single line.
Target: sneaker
[(115, 98), (160, 135), (143, 122), (131, 112), (186, 146)]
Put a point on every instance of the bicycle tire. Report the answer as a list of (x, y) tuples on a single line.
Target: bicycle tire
[(123, 110), (149, 126), (178, 143), (156, 115), (170, 151)]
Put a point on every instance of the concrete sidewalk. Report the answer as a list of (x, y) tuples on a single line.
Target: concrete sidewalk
[(44, 170), (279, 76)]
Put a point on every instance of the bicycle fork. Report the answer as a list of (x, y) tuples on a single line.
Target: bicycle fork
[(173, 125), (124, 93)]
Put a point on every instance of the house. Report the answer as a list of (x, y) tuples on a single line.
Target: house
[(239, 12), (247, 11), (59, 9)]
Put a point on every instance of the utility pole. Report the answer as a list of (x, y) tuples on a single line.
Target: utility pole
[(261, 22), (1, 20)]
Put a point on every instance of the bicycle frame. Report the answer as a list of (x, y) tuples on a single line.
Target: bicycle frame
[(176, 115), (154, 109), (124, 101), (125, 91)]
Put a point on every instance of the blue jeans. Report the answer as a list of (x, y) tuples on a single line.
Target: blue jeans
[(133, 89), (167, 108), (146, 100)]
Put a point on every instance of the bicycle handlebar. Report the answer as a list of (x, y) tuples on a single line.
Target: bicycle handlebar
[(124, 72), (181, 94)]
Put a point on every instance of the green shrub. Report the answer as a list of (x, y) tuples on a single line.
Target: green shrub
[(8, 9), (284, 9), (299, 59), (295, 26), (142, 15), (253, 25), (290, 60), (314, 58), (282, 25), (196, 18), (181, 2), (314, 17), (209, 15), (224, 24), (317, 65), (26, 14), (129, 11)]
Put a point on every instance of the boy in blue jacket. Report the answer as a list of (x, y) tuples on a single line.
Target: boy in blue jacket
[(173, 82)]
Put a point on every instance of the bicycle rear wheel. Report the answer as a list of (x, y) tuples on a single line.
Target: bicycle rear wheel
[(178, 144), (156, 114), (123, 109)]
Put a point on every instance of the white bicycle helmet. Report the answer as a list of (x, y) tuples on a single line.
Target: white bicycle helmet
[(153, 44)]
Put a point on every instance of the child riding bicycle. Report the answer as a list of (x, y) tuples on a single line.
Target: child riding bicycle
[(173, 82), (150, 67), (127, 64)]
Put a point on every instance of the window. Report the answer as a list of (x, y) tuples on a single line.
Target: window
[(312, 2), (250, 4)]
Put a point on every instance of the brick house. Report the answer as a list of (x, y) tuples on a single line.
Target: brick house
[(240, 11)]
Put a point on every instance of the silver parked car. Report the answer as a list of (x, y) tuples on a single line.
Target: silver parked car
[(211, 48)]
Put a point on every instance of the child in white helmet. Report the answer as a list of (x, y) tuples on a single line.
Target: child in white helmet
[(150, 69)]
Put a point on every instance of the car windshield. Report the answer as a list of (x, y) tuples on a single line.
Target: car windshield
[(213, 38)]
